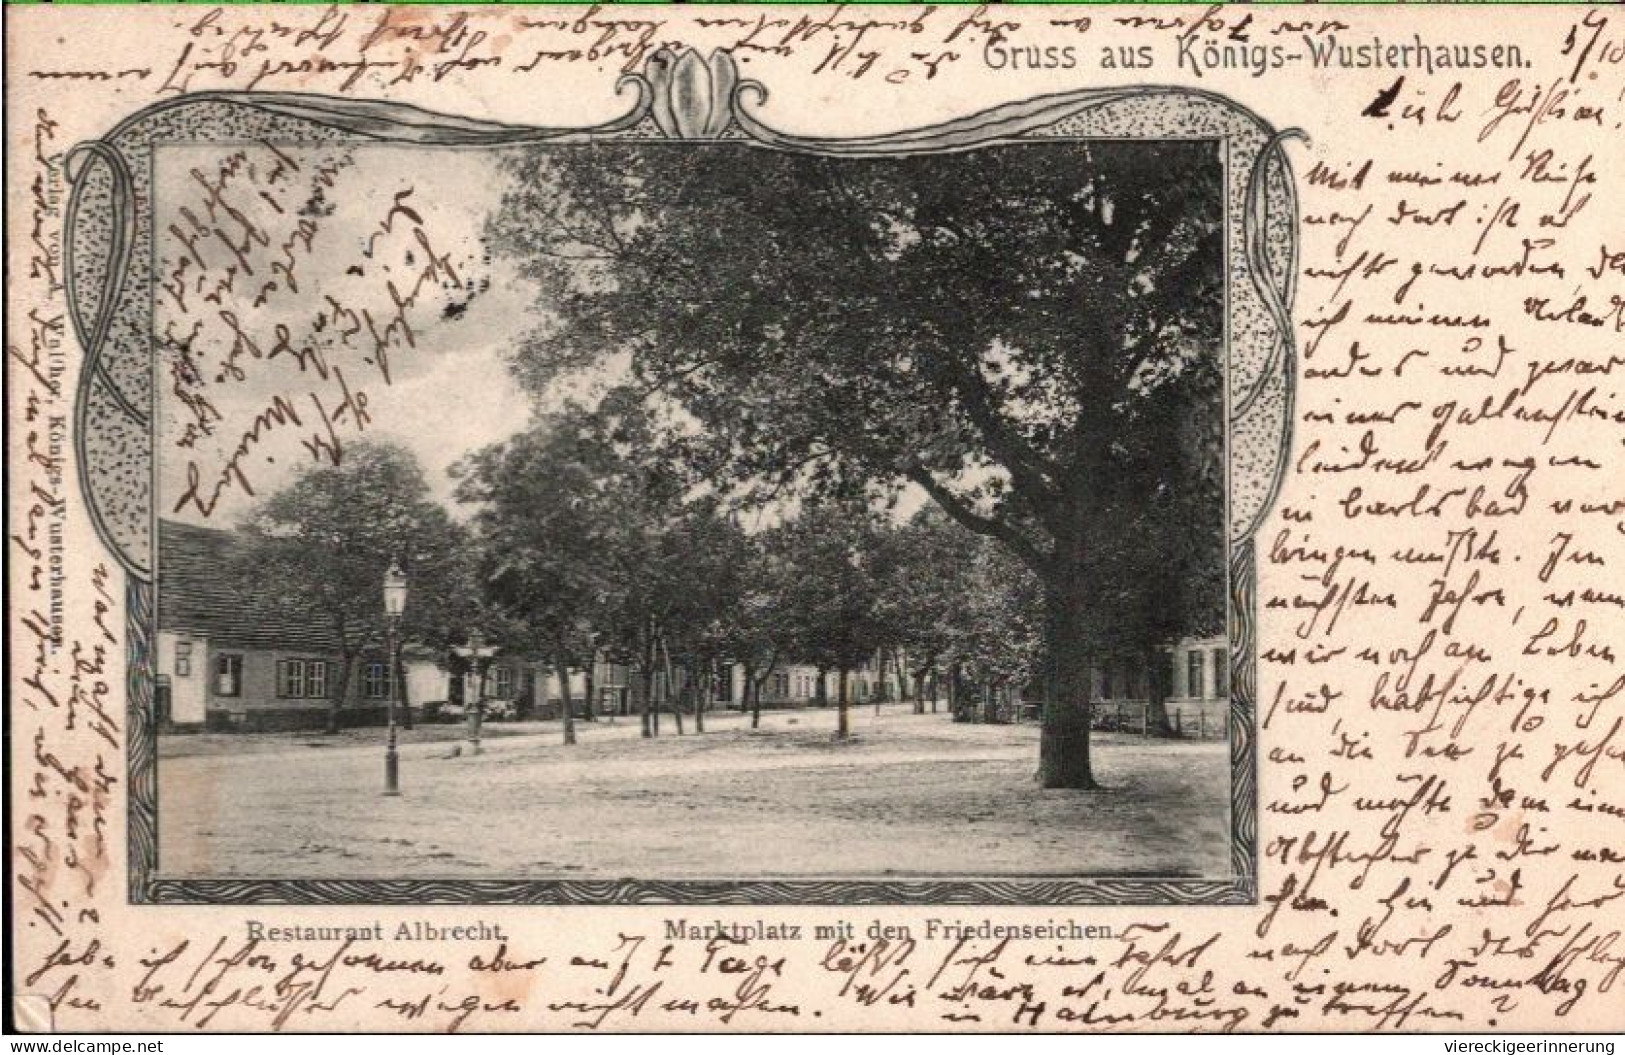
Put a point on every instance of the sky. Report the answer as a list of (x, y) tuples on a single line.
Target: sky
[(450, 394), (351, 248)]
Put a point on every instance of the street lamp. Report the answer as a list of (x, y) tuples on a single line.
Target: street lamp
[(394, 605), (479, 654)]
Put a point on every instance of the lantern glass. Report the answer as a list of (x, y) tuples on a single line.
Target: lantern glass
[(394, 591)]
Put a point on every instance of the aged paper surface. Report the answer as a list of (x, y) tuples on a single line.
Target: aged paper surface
[(251, 248)]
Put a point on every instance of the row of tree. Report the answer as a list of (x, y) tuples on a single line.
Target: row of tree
[(582, 547)]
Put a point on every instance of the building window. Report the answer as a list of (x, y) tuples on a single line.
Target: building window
[(302, 679), (183, 659), (502, 682), (375, 680), (1221, 673), (228, 675), (290, 678), (1193, 674)]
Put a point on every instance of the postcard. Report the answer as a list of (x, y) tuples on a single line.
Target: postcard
[(854, 518)]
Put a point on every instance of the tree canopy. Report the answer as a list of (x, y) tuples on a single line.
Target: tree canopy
[(1028, 333), (319, 548)]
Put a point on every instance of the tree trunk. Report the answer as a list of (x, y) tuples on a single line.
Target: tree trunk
[(561, 664), (956, 689), (644, 684), (338, 690), (671, 693), (1157, 676), (822, 695), (657, 700), (990, 704), (651, 706), (843, 727), (702, 691), (588, 711), (748, 698), (919, 692), (1063, 754)]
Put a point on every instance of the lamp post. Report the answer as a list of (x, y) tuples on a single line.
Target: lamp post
[(394, 605), (478, 654)]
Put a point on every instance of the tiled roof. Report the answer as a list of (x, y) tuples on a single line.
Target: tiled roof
[(199, 592)]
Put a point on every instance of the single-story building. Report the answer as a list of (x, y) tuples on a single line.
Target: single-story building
[(528, 685), (1198, 684), (226, 660), (791, 685)]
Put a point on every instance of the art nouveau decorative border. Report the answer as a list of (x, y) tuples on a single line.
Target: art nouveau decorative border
[(689, 99)]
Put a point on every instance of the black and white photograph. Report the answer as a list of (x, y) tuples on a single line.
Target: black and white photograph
[(677, 507)]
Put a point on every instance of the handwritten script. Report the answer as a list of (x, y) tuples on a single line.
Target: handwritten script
[(1440, 692)]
